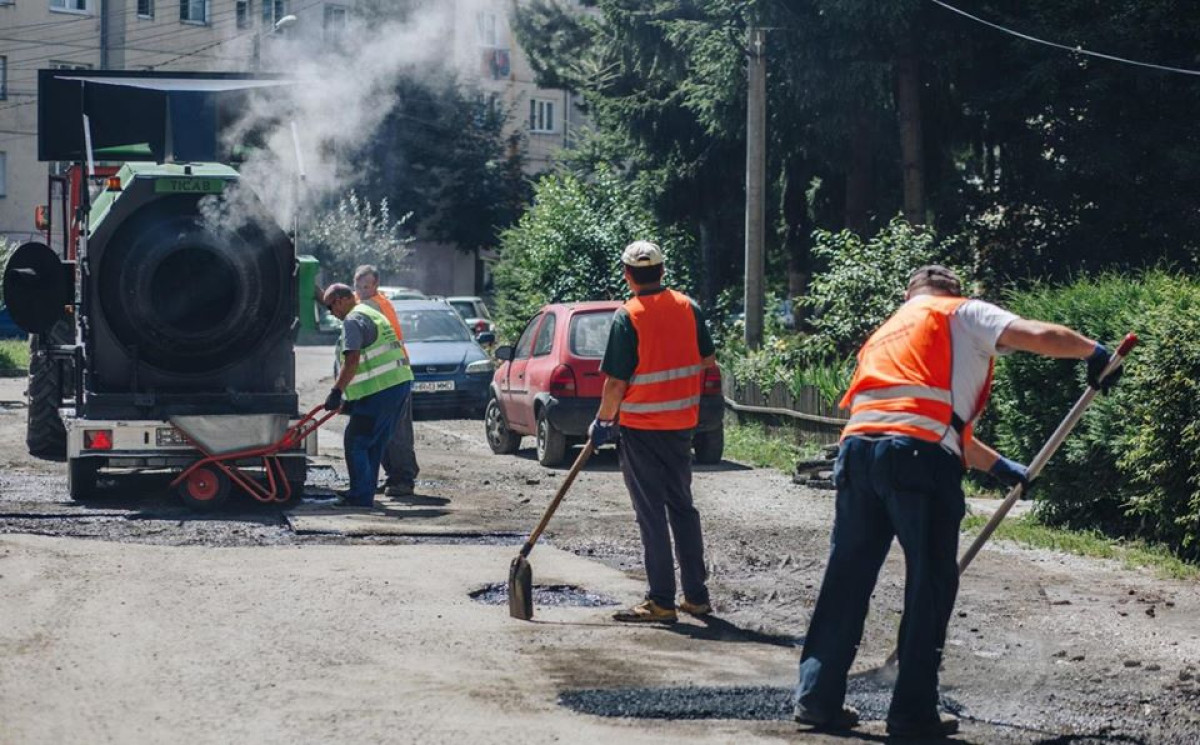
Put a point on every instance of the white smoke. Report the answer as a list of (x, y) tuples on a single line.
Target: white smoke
[(343, 90)]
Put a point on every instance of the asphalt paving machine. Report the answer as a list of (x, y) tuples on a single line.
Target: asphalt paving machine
[(163, 304)]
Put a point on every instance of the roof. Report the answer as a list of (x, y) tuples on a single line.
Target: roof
[(588, 306), (154, 116), (421, 305)]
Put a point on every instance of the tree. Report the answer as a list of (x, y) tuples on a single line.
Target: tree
[(567, 247), (356, 232), (442, 152)]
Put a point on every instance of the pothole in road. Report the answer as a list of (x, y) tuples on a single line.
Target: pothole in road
[(562, 596), (758, 703)]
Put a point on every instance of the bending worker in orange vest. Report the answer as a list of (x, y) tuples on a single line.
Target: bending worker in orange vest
[(922, 381), (657, 350)]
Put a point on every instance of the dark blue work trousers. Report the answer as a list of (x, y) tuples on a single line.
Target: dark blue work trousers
[(657, 465), (902, 487), (372, 420)]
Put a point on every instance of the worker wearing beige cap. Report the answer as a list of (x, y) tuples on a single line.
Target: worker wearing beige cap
[(657, 351)]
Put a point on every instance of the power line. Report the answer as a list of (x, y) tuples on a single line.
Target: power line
[(1056, 45)]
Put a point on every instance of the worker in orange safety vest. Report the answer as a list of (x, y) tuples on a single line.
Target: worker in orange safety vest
[(658, 348), (922, 380)]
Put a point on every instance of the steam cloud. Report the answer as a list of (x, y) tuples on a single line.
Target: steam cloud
[(343, 92)]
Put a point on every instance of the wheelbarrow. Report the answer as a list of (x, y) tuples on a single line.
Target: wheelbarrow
[(206, 484)]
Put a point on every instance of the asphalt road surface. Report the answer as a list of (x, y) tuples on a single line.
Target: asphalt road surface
[(128, 619)]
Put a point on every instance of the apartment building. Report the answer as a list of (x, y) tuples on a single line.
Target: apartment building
[(122, 35)]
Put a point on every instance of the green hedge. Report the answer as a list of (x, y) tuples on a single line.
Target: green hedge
[(1132, 467)]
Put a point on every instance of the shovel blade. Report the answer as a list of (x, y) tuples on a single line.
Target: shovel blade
[(520, 589)]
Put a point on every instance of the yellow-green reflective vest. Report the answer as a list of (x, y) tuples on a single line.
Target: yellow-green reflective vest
[(382, 364)]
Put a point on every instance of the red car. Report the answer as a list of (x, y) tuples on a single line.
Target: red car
[(548, 386)]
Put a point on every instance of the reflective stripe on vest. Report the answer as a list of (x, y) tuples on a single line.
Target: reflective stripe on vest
[(664, 391), (381, 364), (904, 381)]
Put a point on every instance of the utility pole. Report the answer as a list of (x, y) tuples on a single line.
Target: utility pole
[(756, 167)]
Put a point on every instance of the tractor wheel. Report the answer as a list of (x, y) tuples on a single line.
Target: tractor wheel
[(205, 489), (45, 435), (709, 446)]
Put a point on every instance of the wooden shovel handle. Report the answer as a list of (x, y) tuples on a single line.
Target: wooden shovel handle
[(580, 462)]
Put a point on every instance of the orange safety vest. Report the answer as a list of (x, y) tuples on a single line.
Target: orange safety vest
[(384, 306), (904, 381), (664, 392)]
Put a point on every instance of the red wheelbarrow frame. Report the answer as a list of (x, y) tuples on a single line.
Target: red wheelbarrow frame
[(225, 462)]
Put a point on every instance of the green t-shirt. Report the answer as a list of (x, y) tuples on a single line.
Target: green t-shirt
[(621, 357)]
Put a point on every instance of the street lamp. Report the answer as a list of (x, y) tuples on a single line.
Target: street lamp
[(283, 23)]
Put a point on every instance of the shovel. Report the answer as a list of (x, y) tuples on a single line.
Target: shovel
[(520, 574), (1038, 463)]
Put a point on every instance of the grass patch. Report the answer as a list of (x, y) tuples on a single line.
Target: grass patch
[(752, 443), (1026, 531), (14, 354)]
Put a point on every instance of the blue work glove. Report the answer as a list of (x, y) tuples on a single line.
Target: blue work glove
[(1010, 473), (602, 431), (333, 401), (1096, 362)]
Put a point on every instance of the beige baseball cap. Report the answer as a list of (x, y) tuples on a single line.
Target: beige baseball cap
[(642, 253)]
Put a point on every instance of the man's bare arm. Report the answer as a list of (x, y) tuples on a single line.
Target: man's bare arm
[(1048, 339), (349, 366), (610, 400)]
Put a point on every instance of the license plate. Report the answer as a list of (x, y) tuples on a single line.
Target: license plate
[(164, 436), (190, 185), (432, 386)]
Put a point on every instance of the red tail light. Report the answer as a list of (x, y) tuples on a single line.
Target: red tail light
[(481, 326), (97, 439), (562, 382), (712, 381)]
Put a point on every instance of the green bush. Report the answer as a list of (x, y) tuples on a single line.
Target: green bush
[(567, 247), (864, 282), (1132, 467)]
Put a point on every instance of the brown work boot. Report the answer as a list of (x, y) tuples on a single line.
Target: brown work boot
[(695, 609), (944, 726), (647, 612), (844, 719)]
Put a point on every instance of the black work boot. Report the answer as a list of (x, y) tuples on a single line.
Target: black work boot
[(944, 726), (844, 719)]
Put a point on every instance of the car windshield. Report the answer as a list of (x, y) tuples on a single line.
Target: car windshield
[(432, 325), (465, 308), (589, 333)]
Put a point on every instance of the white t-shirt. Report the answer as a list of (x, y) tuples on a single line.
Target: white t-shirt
[(975, 329)]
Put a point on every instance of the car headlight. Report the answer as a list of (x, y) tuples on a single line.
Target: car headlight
[(480, 367)]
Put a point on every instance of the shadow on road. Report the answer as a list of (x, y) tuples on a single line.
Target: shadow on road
[(716, 629)]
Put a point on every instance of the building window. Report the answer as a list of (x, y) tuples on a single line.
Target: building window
[(193, 11), (243, 13), (145, 8), (335, 21), (3, 174), (541, 115), (485, 30), (272, 11), (60, 65), (3, 78), (70, 6)]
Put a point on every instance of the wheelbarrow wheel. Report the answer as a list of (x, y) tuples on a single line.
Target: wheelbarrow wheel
[(205, 488)]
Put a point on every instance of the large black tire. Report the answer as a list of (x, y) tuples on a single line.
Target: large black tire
[(81, 478), (709, 446), (551, 443), (501, 439), (45, 435)]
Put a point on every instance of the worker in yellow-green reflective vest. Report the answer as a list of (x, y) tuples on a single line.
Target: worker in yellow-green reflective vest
[(373, 382)]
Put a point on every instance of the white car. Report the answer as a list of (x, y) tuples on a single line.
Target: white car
[(401, 293), (474, 312)]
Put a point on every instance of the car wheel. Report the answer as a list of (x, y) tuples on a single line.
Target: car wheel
[(709, 446), (551, 443), (500, 438)]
